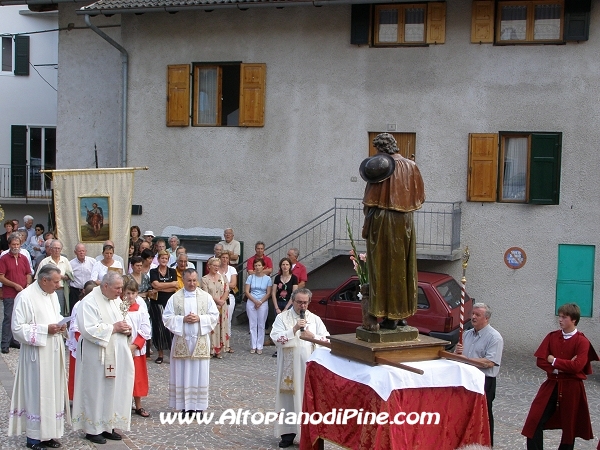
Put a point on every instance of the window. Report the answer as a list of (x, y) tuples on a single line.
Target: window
[(7, 53), (32, 149), (223, 94), (535, 21), (405, 142), (514, 167), (526, 22), (398, 24)]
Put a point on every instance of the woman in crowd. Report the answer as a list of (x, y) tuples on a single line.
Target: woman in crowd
[(142, 279), (258, 291), (216, 285), (230, 275), (139, 321), (285, 283), (37, 244), (105, 264), (8, 226), (146, 258), (164, 280), (135, 239)]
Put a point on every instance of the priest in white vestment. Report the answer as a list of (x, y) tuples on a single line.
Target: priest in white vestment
[(292, 353), (39, 404), (104, 371), (190, 314)]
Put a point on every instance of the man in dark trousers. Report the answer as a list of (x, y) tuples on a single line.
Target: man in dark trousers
[(561, 402)]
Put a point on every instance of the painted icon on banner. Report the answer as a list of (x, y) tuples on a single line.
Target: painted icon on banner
[(515, 257), (94, 219)]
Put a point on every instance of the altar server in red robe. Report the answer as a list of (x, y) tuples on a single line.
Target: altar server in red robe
[(139, 321), (561, 402)]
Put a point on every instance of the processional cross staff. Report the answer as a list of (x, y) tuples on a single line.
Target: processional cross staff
[(463, 281)]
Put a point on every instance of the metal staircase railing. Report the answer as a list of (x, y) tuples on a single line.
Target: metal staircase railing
[(437, 225)]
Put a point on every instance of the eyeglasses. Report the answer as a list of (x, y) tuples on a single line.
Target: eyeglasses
[(301, 303)]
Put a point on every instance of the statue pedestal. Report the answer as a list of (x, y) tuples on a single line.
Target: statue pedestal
[(423, 348), (400, 334)]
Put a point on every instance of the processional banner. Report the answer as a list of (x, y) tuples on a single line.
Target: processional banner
[(92, 206)]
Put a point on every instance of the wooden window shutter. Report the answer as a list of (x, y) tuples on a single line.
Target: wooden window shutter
[(252, 95), (22, 55), (482, 22), (436, 23), (360, 22), (178, 95), (544, 168), (482, 181), (577, 20), (18, 160)]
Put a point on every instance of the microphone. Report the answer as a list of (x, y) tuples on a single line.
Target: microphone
[(302, 318)]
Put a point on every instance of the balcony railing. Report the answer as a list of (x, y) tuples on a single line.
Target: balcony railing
[(437, 225), (24, 181)]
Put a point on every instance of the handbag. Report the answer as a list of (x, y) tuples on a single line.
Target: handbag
[(152, 295)]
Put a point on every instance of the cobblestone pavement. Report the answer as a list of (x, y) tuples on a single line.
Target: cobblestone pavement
[(247, 381)]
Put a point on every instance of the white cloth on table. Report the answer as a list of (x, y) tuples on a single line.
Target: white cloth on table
[(384, 379)]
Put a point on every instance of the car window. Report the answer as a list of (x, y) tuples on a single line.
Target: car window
[(422, 302), (349, 293), (450, 292)]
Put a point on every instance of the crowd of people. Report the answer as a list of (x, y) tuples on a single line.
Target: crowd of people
[(114, 314), (111, 315)]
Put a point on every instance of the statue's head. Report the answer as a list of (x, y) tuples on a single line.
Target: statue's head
[(386, 143)]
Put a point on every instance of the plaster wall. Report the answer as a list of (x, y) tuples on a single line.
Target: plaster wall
[(89, 100), (323, 95), (28, 100)]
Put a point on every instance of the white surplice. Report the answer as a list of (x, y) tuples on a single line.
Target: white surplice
[(39, 402), (188, 382), (139, 321), (101, 402), (292, 353)]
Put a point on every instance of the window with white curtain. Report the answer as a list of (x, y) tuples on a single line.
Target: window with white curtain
[(515, 158), (400, 24), (530, 21)]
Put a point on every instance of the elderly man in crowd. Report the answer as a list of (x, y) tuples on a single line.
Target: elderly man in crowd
[(104, 373), (15, 275), (82, 266), (182, 251), (38, 405), (66, 272), (231, 245), (28, 226), (484, 344), (191, 314), (173, 246), (292, 354)]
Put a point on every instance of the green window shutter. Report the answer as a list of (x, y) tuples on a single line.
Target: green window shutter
[(575, 277), (577, 20), (22, 55), (359, 24), (544, 168), (18, 160)]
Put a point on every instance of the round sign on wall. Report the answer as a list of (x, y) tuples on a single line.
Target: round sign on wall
[(515, 257)]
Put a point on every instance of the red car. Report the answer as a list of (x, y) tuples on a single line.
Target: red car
[(438, 307)]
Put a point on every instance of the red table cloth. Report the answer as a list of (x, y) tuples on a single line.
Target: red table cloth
[(461, 415)]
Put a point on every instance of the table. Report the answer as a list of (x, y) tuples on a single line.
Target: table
[(443, 409)]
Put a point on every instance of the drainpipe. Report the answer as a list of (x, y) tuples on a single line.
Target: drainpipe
[(125, 69)]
